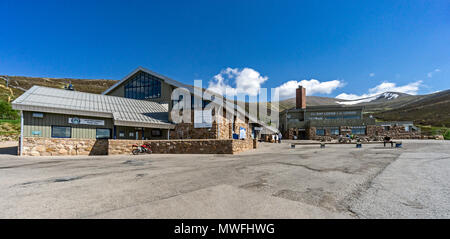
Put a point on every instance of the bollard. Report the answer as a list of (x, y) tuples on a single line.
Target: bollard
[(358, 145)]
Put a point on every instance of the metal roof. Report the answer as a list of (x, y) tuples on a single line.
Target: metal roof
[(124, 111)]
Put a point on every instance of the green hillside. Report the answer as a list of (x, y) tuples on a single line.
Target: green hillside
[(9, 122), (434, 109)]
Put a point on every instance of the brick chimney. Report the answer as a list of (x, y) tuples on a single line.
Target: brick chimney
[(300, 100)]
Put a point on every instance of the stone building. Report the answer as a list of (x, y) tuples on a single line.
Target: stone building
[(332, 121)]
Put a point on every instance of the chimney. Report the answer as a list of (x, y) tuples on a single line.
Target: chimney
[(300, 100)]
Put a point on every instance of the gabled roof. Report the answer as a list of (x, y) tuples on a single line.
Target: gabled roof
[(191, 90), (127, 112), (140, 68)]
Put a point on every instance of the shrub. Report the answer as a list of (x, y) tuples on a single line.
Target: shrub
[(7, 112), (447, 135)]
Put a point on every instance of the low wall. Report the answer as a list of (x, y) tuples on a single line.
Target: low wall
[(60, 147), (33, 146), (373, 133), (183, 146)]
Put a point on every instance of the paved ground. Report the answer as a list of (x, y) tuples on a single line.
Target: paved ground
[(273, 181)]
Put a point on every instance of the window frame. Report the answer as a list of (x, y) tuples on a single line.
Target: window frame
[(358, 129), (96, 133), (156, 135), (334, 130), (323, 130), (57, 137), (143, 86)]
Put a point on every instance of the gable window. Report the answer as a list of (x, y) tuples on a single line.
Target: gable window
[(143, 86)]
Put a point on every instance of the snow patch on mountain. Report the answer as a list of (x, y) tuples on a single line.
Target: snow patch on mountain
[(386, 95)]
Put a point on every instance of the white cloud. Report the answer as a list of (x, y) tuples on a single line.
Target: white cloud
[(411, 88), (430, 74), (313, 86), (372, 74), (246, 81)]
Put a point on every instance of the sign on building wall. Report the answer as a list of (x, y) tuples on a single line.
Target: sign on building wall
[(202, 118), (86, 121), (38, 115)]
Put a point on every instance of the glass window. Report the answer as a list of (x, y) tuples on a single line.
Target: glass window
[(334, 131), (143, 86), (359, 130), (351, 117), (320, 132), (156, 132), (61, 132), (103, 134)]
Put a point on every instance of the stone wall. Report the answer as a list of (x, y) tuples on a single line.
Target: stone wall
[(184, 146), (395, 132), (188, 131), (373, 133), (61, 147), (222, 130), (244, 145), (34, 146)]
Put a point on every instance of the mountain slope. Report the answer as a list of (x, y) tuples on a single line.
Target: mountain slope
[(433, 109), (19, 84)]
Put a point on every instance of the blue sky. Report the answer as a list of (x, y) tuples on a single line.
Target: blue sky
[(356, 48)]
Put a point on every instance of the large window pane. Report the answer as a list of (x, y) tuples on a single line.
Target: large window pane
[(103, 134), (359, 130), (61, 132), (334, 131)]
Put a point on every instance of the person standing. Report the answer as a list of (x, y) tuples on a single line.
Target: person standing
[(279, 137)]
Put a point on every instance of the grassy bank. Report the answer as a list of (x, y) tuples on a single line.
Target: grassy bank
[(435, 130), (9, 129)]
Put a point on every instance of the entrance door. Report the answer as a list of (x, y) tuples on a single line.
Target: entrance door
[(302, 134), (138, 134)]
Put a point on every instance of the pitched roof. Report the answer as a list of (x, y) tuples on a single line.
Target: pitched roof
[(128, 112), (140, 68)]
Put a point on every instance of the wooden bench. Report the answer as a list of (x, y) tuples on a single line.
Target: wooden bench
[(398, 144)]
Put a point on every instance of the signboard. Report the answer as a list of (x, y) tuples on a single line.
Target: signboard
[(258, 128), (242, 133), (202, 118), (86, 121), (38, 115)]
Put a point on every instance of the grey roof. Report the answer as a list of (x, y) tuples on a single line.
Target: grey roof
[(124, 111)]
